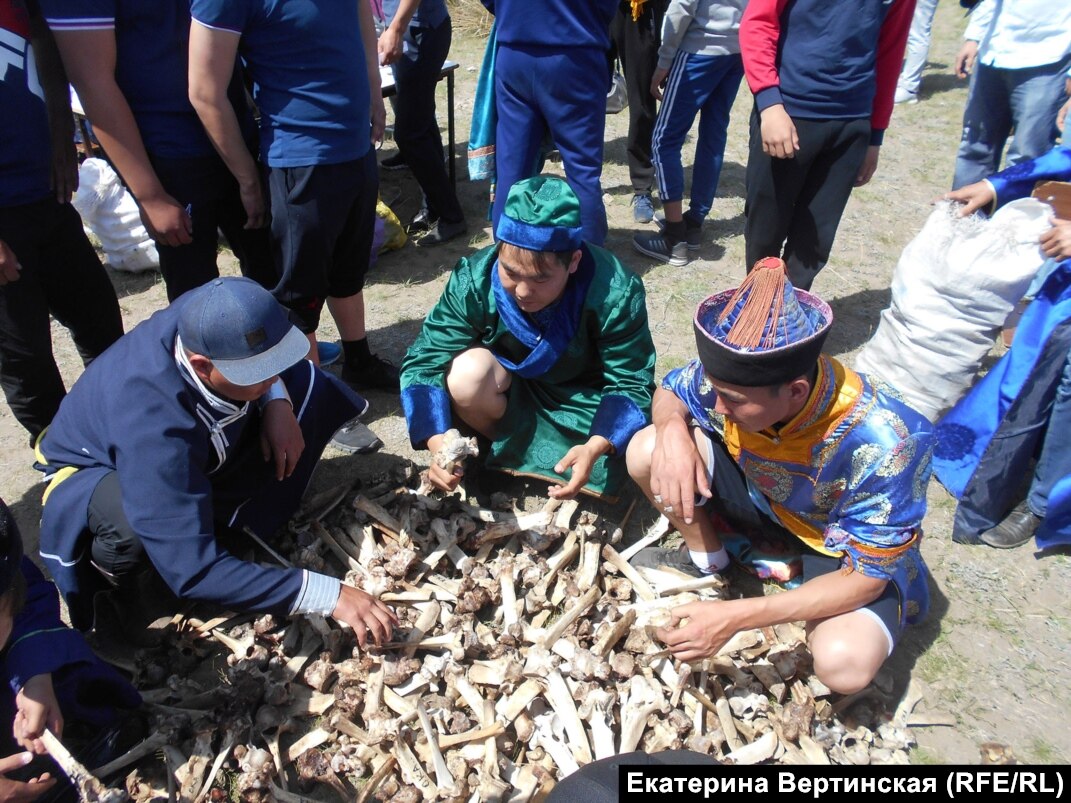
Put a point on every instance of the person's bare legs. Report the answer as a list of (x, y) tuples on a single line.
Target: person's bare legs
[(848, 650), (348, 313), (477, 384), (674, 211), (700, 535)]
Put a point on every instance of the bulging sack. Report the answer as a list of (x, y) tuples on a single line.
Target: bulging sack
[(953, 289), (110, 213)]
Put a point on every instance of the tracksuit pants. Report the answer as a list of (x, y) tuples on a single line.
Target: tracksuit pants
[(696, 85)]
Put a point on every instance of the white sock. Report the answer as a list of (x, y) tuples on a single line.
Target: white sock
[(710, 562)]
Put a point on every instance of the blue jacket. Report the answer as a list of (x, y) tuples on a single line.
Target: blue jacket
[(133, 412), (993, 432)]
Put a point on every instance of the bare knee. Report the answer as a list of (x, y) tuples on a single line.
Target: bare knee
[(639, 454), (474, 375), (846, 661)]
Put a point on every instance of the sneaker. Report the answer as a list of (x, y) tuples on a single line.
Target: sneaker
[(329, 353), (442, 232), (642, 207), (659, 247), (693, 232), (656, 557), (373, 374), (422, 221), (355, 438), (903, 96), (395, 162)]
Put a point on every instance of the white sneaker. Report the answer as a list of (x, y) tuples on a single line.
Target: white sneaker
[(903, 96)]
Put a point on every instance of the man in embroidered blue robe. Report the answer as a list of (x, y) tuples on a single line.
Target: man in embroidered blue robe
[(540, 343), (779, 437), (1021, 409)]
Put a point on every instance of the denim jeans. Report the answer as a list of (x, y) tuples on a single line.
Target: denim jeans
[(918, 47), (1000, 100)]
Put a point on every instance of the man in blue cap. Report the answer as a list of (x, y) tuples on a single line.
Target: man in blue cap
[(206, 419), (541, 344), (780, 437)]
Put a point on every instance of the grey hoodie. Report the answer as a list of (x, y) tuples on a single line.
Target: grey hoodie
[(702, 27)]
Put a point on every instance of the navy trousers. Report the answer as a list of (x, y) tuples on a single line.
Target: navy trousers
[(562, 90)]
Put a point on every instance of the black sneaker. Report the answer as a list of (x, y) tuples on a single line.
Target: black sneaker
[(422, 221), (395, 162), (375, 373), (693, 232), (442, 232), (355, 438), (656, 557), (662, 248)]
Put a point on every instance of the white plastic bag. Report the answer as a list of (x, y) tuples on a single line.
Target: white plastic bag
[(953, 289), (109, 211)]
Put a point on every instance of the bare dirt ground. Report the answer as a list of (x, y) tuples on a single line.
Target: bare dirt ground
[(994, 652)]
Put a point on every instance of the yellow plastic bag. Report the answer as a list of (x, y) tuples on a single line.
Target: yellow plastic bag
[(394, 233)]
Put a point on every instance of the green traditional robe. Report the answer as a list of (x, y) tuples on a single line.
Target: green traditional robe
[(585, 368)]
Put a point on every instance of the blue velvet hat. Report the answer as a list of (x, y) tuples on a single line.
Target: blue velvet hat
[(765, 332), (541, 213)]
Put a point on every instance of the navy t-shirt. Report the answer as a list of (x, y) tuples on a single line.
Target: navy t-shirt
[(25, 152), (310, 79), (152, 45), (429, 14)]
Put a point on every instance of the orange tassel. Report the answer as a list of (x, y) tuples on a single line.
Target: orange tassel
[(765, 288)]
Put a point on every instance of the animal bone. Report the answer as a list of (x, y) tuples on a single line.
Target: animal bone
[(90, 789), (312, 765), (561, 701), (443, 778), (549, 734), (644, 698), (639, 585), (566, 620), (597, 709), (759, 750)]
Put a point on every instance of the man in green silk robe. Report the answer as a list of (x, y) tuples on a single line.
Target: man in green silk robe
[(540, 343)]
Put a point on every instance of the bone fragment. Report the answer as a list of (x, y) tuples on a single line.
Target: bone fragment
[(90, 789), (644, 698), (509, 707), (380, 775), (347, 560), (443, 778), (384, 520), (609, 637), (761, 749), (411, 769), (563, 623), (450, 740), (588, 571), (561, 700), (654, 534), (549, 734), (639, 585), (314, 738), (144, 748)]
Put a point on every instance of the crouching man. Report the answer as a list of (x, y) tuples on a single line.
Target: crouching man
[(776, 435), (540, 343), (204, 421)]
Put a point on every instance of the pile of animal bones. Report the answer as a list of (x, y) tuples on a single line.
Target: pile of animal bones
[(524, 652)]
